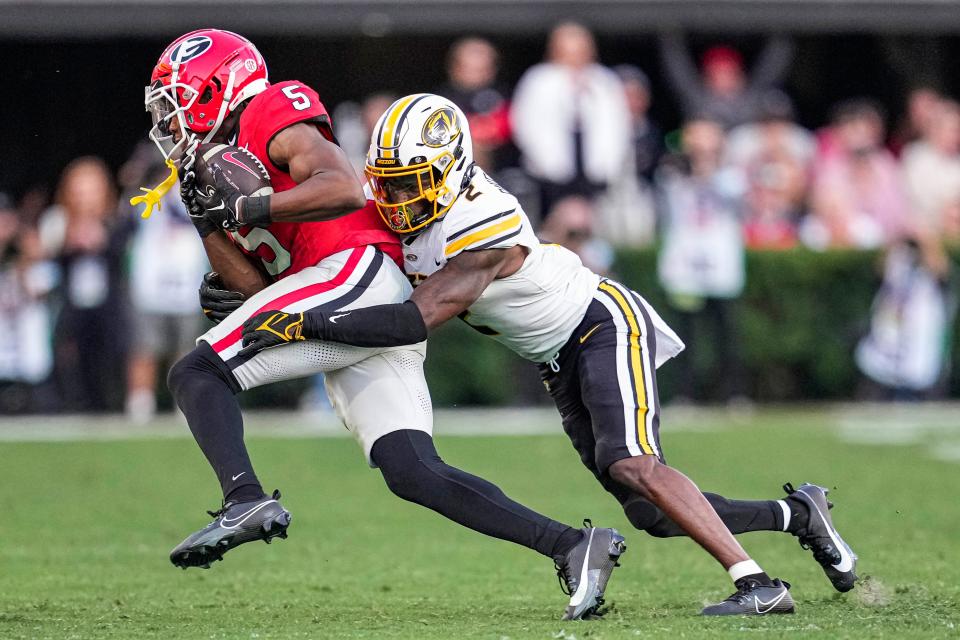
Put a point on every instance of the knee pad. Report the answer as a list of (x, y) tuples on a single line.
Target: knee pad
[(643, 515)]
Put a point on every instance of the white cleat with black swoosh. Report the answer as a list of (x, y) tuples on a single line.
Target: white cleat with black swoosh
[(586, 569), (754, 599), (233, 525), (819, 535)]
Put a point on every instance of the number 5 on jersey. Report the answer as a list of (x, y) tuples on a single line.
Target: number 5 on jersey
[(299, 100)]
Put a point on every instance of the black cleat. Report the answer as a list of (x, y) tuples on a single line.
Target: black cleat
[(754, 599), (585, 570), (233, 525), (836, 557)]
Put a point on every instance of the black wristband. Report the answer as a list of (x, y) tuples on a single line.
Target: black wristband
[(205, 226), (256, 211), (385, 325)]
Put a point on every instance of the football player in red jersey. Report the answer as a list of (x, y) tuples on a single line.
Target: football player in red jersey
[(321, 245)]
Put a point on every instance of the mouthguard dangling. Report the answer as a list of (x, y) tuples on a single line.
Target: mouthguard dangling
[(151, 197)]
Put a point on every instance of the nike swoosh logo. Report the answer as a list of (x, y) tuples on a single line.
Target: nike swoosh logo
[(584, 585), (437, 262), (233, 523), (846, 558), (229, 157), (768, 606), (217, 208), (234, 478), (333, 319), (584, 337)]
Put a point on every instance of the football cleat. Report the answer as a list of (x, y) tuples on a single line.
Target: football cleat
[(585, 570), (233, 525), (819, 535), (754, 599)]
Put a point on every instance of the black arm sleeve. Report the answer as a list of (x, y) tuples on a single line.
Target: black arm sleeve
[(385, 325)]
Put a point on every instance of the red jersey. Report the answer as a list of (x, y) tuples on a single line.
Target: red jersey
[(288, 247)]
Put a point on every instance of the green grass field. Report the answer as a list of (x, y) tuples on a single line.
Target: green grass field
[(85, 528)]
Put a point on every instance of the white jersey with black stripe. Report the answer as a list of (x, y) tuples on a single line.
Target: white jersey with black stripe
[(533, 311)]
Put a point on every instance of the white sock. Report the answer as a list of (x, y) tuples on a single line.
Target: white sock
[(786, 513), (745, 568)]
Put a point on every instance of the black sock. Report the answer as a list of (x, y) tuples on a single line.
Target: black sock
[(740, 516), (762, 578), (205, 391), (414, 471)]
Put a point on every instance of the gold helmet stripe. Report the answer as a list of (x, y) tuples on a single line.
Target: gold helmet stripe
[(392, 122)]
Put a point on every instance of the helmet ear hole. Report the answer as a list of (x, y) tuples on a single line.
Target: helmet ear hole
[(206, 96)]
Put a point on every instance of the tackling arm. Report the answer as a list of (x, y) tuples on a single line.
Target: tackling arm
[(445, 294)]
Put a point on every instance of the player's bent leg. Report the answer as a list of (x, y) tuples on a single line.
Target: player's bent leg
[(739, 516), (414, 471), (584, 558), (205, 383), (678, 497), (206, 393), (385, 403), (626, 421)]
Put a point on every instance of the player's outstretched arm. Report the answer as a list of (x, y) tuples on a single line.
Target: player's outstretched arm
[(327, 185), (445, 294)]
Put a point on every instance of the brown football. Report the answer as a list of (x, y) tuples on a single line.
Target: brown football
[(240, 167)]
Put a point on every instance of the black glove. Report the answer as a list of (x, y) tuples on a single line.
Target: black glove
[(269, 329), (221, 200), (188, 194), (216, 301)]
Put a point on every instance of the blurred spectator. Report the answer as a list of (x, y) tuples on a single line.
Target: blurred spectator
[(774, 155), (626, 210), (353, 125), (167, 263), (570, 118), (931, 167), (571, 224), (472, 86), (723, 91), (26, 358), (922, 105), (701, 262), (858, 198), (907, 348), (85, 237)]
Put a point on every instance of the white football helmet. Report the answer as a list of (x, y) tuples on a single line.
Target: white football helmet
[(420, 150)]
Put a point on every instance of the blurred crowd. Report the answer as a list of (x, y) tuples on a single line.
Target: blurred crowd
[(94, 301)]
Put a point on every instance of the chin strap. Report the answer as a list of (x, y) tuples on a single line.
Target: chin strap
[(151, 197)]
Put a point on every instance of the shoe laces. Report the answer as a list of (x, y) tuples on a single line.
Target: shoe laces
[(568, 580), (226, 506), (746, 586)]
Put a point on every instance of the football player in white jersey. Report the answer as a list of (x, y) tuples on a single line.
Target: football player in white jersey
[(472, 253)]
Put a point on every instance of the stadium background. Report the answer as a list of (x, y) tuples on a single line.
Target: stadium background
[(77, 71)]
